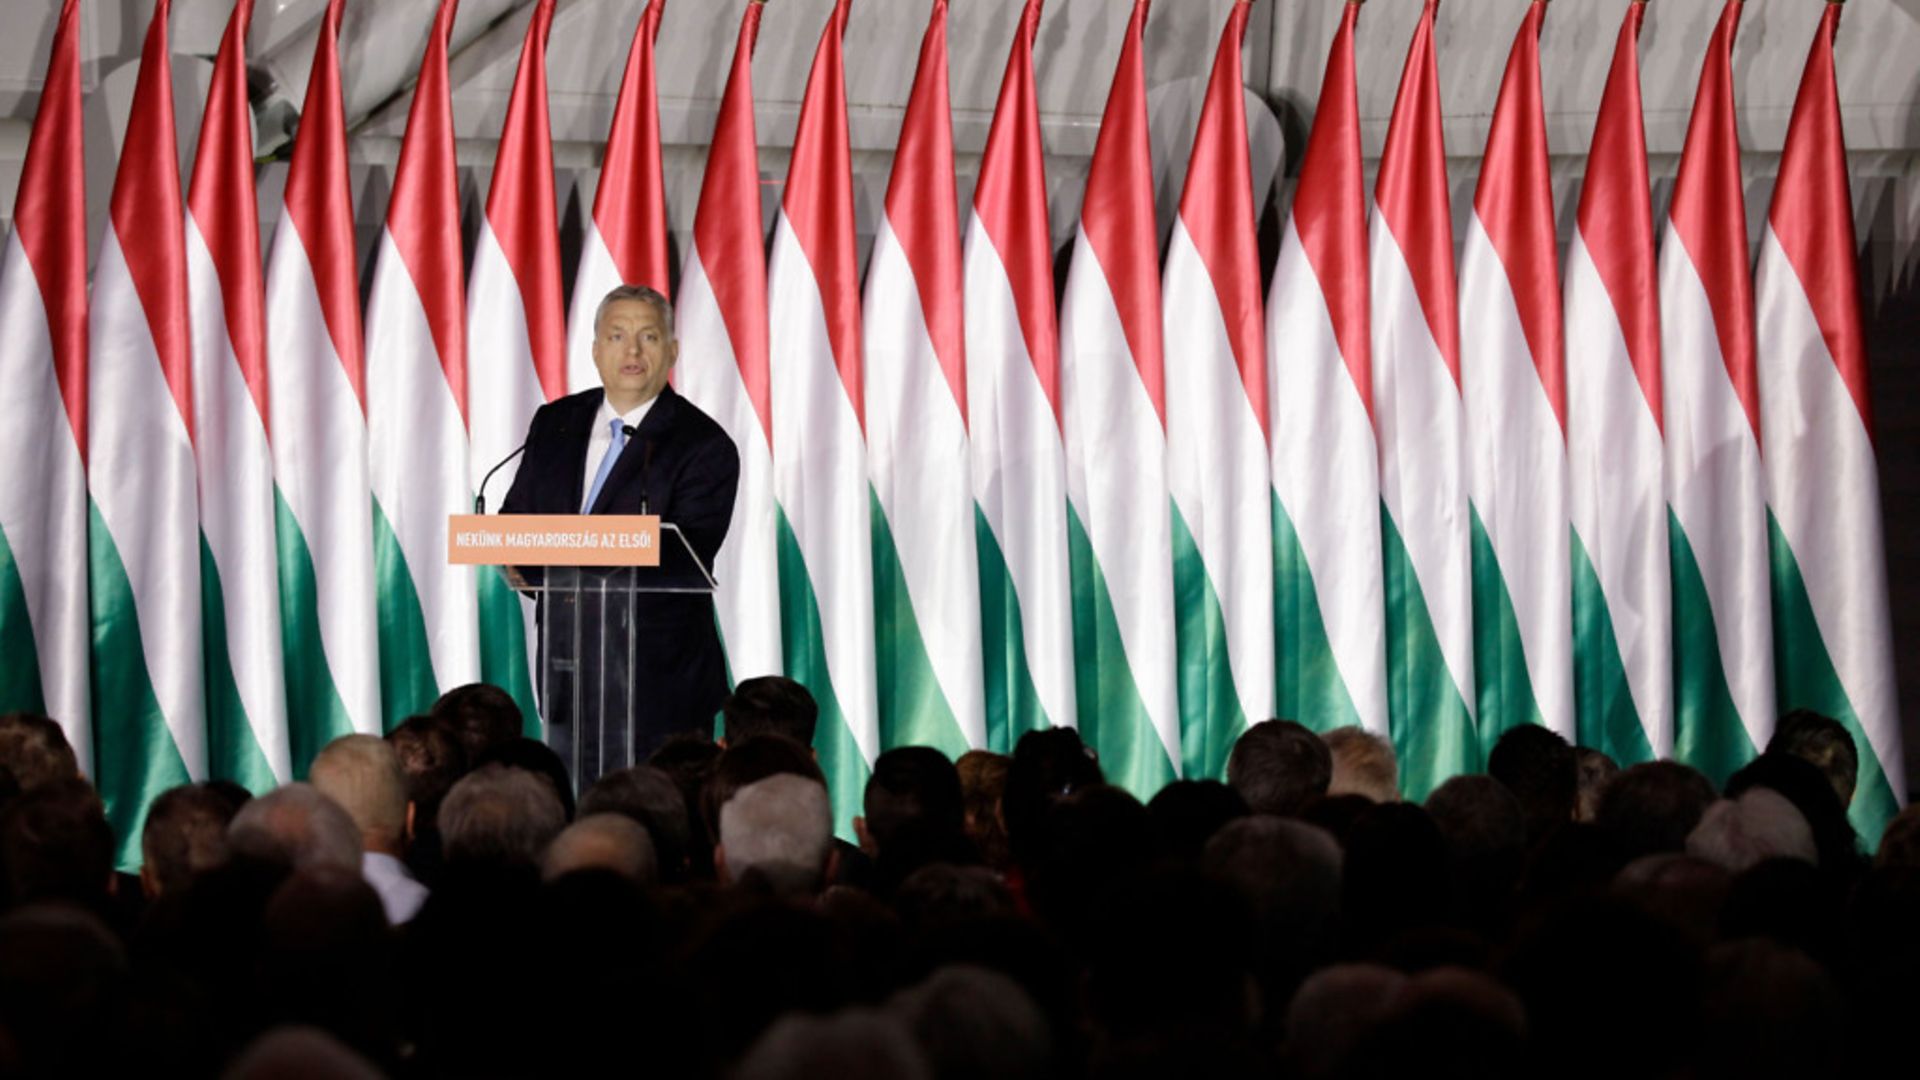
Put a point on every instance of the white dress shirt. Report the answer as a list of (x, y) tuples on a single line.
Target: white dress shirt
[(400, 893), (602, 438)]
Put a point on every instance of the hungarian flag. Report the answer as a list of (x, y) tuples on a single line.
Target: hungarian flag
[(417, 408), (1114, 404), (1013, 411), (722, 320), (1417, 416), (1723, 633), (626, 241), (517, 338), (144, 548), (1329, 609), (1217, 430), (318, 419), (926, 575), (1829, 565), (246, 687), (1514, 383), (819, 445), (44, 621), (1622, 642)]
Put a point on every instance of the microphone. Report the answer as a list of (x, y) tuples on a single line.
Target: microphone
[(646, 464), (480, 498)]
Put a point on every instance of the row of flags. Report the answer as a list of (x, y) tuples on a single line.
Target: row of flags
[(1159, 508)]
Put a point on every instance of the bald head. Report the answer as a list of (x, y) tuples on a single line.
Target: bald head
[(362, 774), (602, 842)]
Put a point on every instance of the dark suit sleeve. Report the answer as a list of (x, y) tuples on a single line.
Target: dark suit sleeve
[(703, 493), (523, 496)]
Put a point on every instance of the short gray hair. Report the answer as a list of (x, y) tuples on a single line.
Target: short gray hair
[(602, 842), (362, 774), (780, 826), (498, 813), (1759, 825), (297, 826), (645, 295)]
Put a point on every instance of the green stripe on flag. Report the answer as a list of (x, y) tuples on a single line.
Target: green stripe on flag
[(1013, 705), (135, 757), (1113, 718), (1502, 685), (1806, 678), (804, 649), (1606, 718), (315, 714), (1308, 686), (1210, 713), (1433, 733), (20, 689), (406, 664), (503, 646), (233, 752), (1707, 732), (913, 709)]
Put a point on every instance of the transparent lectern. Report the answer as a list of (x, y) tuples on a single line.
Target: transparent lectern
[(591, 578)]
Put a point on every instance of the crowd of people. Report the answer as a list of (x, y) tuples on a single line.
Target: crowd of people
[(438, 903)]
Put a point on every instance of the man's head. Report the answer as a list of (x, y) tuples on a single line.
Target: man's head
[(1363, 764), (482, 716), (185, 835), (1595, 771), (633, 345), (432, 758), (612, 842), (35, 750), (297, 827), (1822, 742), (362, 774), (1279, 767), (651, 799), (55, 844), (1538, 766), (770, 703), (1742, 832), (779, 828), (500, 815), (912, 796), (1651, 807)]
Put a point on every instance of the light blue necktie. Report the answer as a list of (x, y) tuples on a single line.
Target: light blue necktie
[(619, 430)]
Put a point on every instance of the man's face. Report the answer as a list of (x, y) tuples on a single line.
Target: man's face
[(633, 353)]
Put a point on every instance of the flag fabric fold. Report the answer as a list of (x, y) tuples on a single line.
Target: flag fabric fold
[(925, 555), (1830, 616), (246, 684), (819, 441), (1113, 407), (416, 353), (1329, 604), (626, 241), (1514, 384), (317, 415), (1013, 410), (1716, 493), (1418, 416), (517, 338), (44, 618), (144, 551), (1217, 430), (723, 337), (1622, 613)]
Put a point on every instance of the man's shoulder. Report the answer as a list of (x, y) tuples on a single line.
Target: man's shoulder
[(563, 414), (693, 423)]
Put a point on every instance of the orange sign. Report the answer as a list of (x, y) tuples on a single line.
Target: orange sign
[(553, 540)]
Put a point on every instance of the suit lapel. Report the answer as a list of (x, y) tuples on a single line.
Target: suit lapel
[(576, 433), (655, 429)]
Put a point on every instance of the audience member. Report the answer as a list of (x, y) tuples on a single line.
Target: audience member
[(185, 835), (481, 716), (650, 798), (35, 750), (915, 815), (1900, 844), (769, 705), (1363, 764), (689, 761), (777, 831), (983, 781), (1288, 875), (1808, 789), (1760, 824), (1651, 807), (1595, 770), (362, 774), (1824, 743), (500, 815), (1186, 813), (1539, 768), (294, 826), (976, 1024), (538, 759), (1279, 767), (611, 842), (55, 844), (755, 757)]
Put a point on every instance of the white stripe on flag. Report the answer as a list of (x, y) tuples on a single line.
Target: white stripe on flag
[(596, 277)]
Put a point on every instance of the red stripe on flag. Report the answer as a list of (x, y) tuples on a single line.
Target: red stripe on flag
[(50, 216), (1514, 202), (424, 215), (1330, 213), (320, 202), (1616, 211), (1011, 199), (924, 210), (1710, 214), (726, 227), (147, 215), (1812, 215), (1118, 214), (630, 205), (226, 210), (819, 203), (1411, 190), (520, 207)]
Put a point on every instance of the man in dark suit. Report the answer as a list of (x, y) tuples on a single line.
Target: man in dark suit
[(632, 447)]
